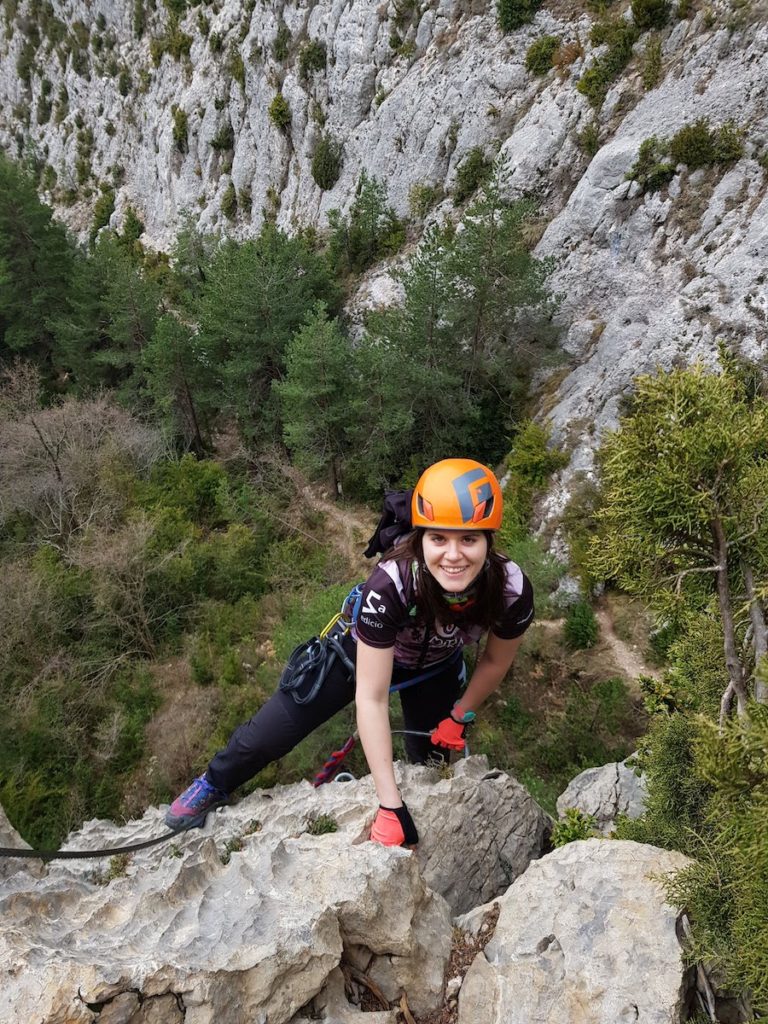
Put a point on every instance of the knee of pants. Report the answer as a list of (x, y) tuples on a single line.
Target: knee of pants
[(420, 751)]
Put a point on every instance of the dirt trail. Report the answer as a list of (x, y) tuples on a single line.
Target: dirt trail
[(346, 529), (628, 658)]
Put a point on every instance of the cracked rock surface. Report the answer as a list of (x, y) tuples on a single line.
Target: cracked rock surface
[(583, 937), (249, 918)]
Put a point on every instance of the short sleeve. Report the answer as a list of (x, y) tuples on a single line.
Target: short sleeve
[(382, 611), (518, 616)]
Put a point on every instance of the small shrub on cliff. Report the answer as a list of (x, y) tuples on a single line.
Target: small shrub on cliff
[(312, 58), (514, 14), (620, 37), (280, 112), (540, 55), (282, 42), (575, 825), (229, 202), (650, 13), (326, 162), (474, 169), (180, 129)]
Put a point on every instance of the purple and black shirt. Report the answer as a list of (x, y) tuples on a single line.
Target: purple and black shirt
[(387, 608)]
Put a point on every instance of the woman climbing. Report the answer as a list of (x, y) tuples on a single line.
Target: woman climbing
[(440, 587)]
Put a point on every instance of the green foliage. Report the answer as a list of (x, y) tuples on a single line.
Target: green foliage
[(32, 290), (620, 36), (530, 465), (580, 628), (235, 66), (650, 13), (472, 172), (574, 826), (539, 55), (326, 161), (652, 63), (229, 202), (224, 139), (312, 58), (589, 138), (321, 825), (102, 211), (513, 14), (707, 796), (421, 198), (175, 43), (256, 296), (698, 145), (317, 394), (180, 129), (282, 41), (651, 171), (371, 231), (280, 112)]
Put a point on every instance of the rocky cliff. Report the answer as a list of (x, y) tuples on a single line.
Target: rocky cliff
[(280, 911), (222, 107)]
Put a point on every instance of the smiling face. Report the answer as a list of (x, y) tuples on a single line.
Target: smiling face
[(454, 557)]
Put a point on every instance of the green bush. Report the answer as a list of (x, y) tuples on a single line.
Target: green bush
[(652, 63), (514, 14), (280, 112), (180, 129), (589, 138), (620, 37), (371, 231), (224, 138), (326, 162), (693, 145), (540, 54), (651, 170), (472, 172), (650, 13), (580, 628), (312, 57), (421, 198), (575, 825), (124, 82), (103, 209), (282, 41), (235, 66)]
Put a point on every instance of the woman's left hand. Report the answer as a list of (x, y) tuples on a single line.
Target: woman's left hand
[(449, 733)]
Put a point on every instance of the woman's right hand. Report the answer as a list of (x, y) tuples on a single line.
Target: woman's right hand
[(394, 826)]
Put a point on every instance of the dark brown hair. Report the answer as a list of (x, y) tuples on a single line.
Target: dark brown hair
[(432, 607)]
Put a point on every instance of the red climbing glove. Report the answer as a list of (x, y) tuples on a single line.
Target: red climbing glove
[(393, 826), (450, 732)]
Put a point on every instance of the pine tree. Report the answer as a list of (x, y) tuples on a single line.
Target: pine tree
[(316, 396)]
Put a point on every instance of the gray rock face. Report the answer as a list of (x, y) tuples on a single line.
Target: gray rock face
[(583, 937), (605, 793), (249, 918)]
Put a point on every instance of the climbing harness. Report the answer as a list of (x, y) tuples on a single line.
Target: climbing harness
[(46, 855), (310, 662)]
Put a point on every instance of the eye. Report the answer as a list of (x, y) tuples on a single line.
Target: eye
[(470, 538)]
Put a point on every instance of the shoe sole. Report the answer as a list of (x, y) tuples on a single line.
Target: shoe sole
[(183, 823)]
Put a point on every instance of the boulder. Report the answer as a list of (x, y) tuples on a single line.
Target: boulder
[(249, 918), (605, 793), (583, 937)]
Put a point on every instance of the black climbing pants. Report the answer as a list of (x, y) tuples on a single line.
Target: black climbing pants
[(281, 723)]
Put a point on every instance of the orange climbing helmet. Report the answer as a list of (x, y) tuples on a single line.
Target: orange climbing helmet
[(457, 494)]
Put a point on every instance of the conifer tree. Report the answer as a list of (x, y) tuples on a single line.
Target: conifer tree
[(317, 395), (685, 513)]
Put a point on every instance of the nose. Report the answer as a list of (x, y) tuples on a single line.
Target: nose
[(453, 550)]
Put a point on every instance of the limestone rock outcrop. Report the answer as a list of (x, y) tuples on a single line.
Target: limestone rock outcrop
[(605, 793), (583, 937), (249, 917)]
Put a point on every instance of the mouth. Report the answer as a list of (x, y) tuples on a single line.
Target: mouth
[(453, 570)]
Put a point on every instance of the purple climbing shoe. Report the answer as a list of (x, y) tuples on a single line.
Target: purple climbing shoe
[(190, 808)]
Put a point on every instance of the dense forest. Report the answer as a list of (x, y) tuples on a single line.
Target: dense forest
[(164, 423)]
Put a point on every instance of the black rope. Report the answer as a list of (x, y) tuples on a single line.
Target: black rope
[(46, 855)]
